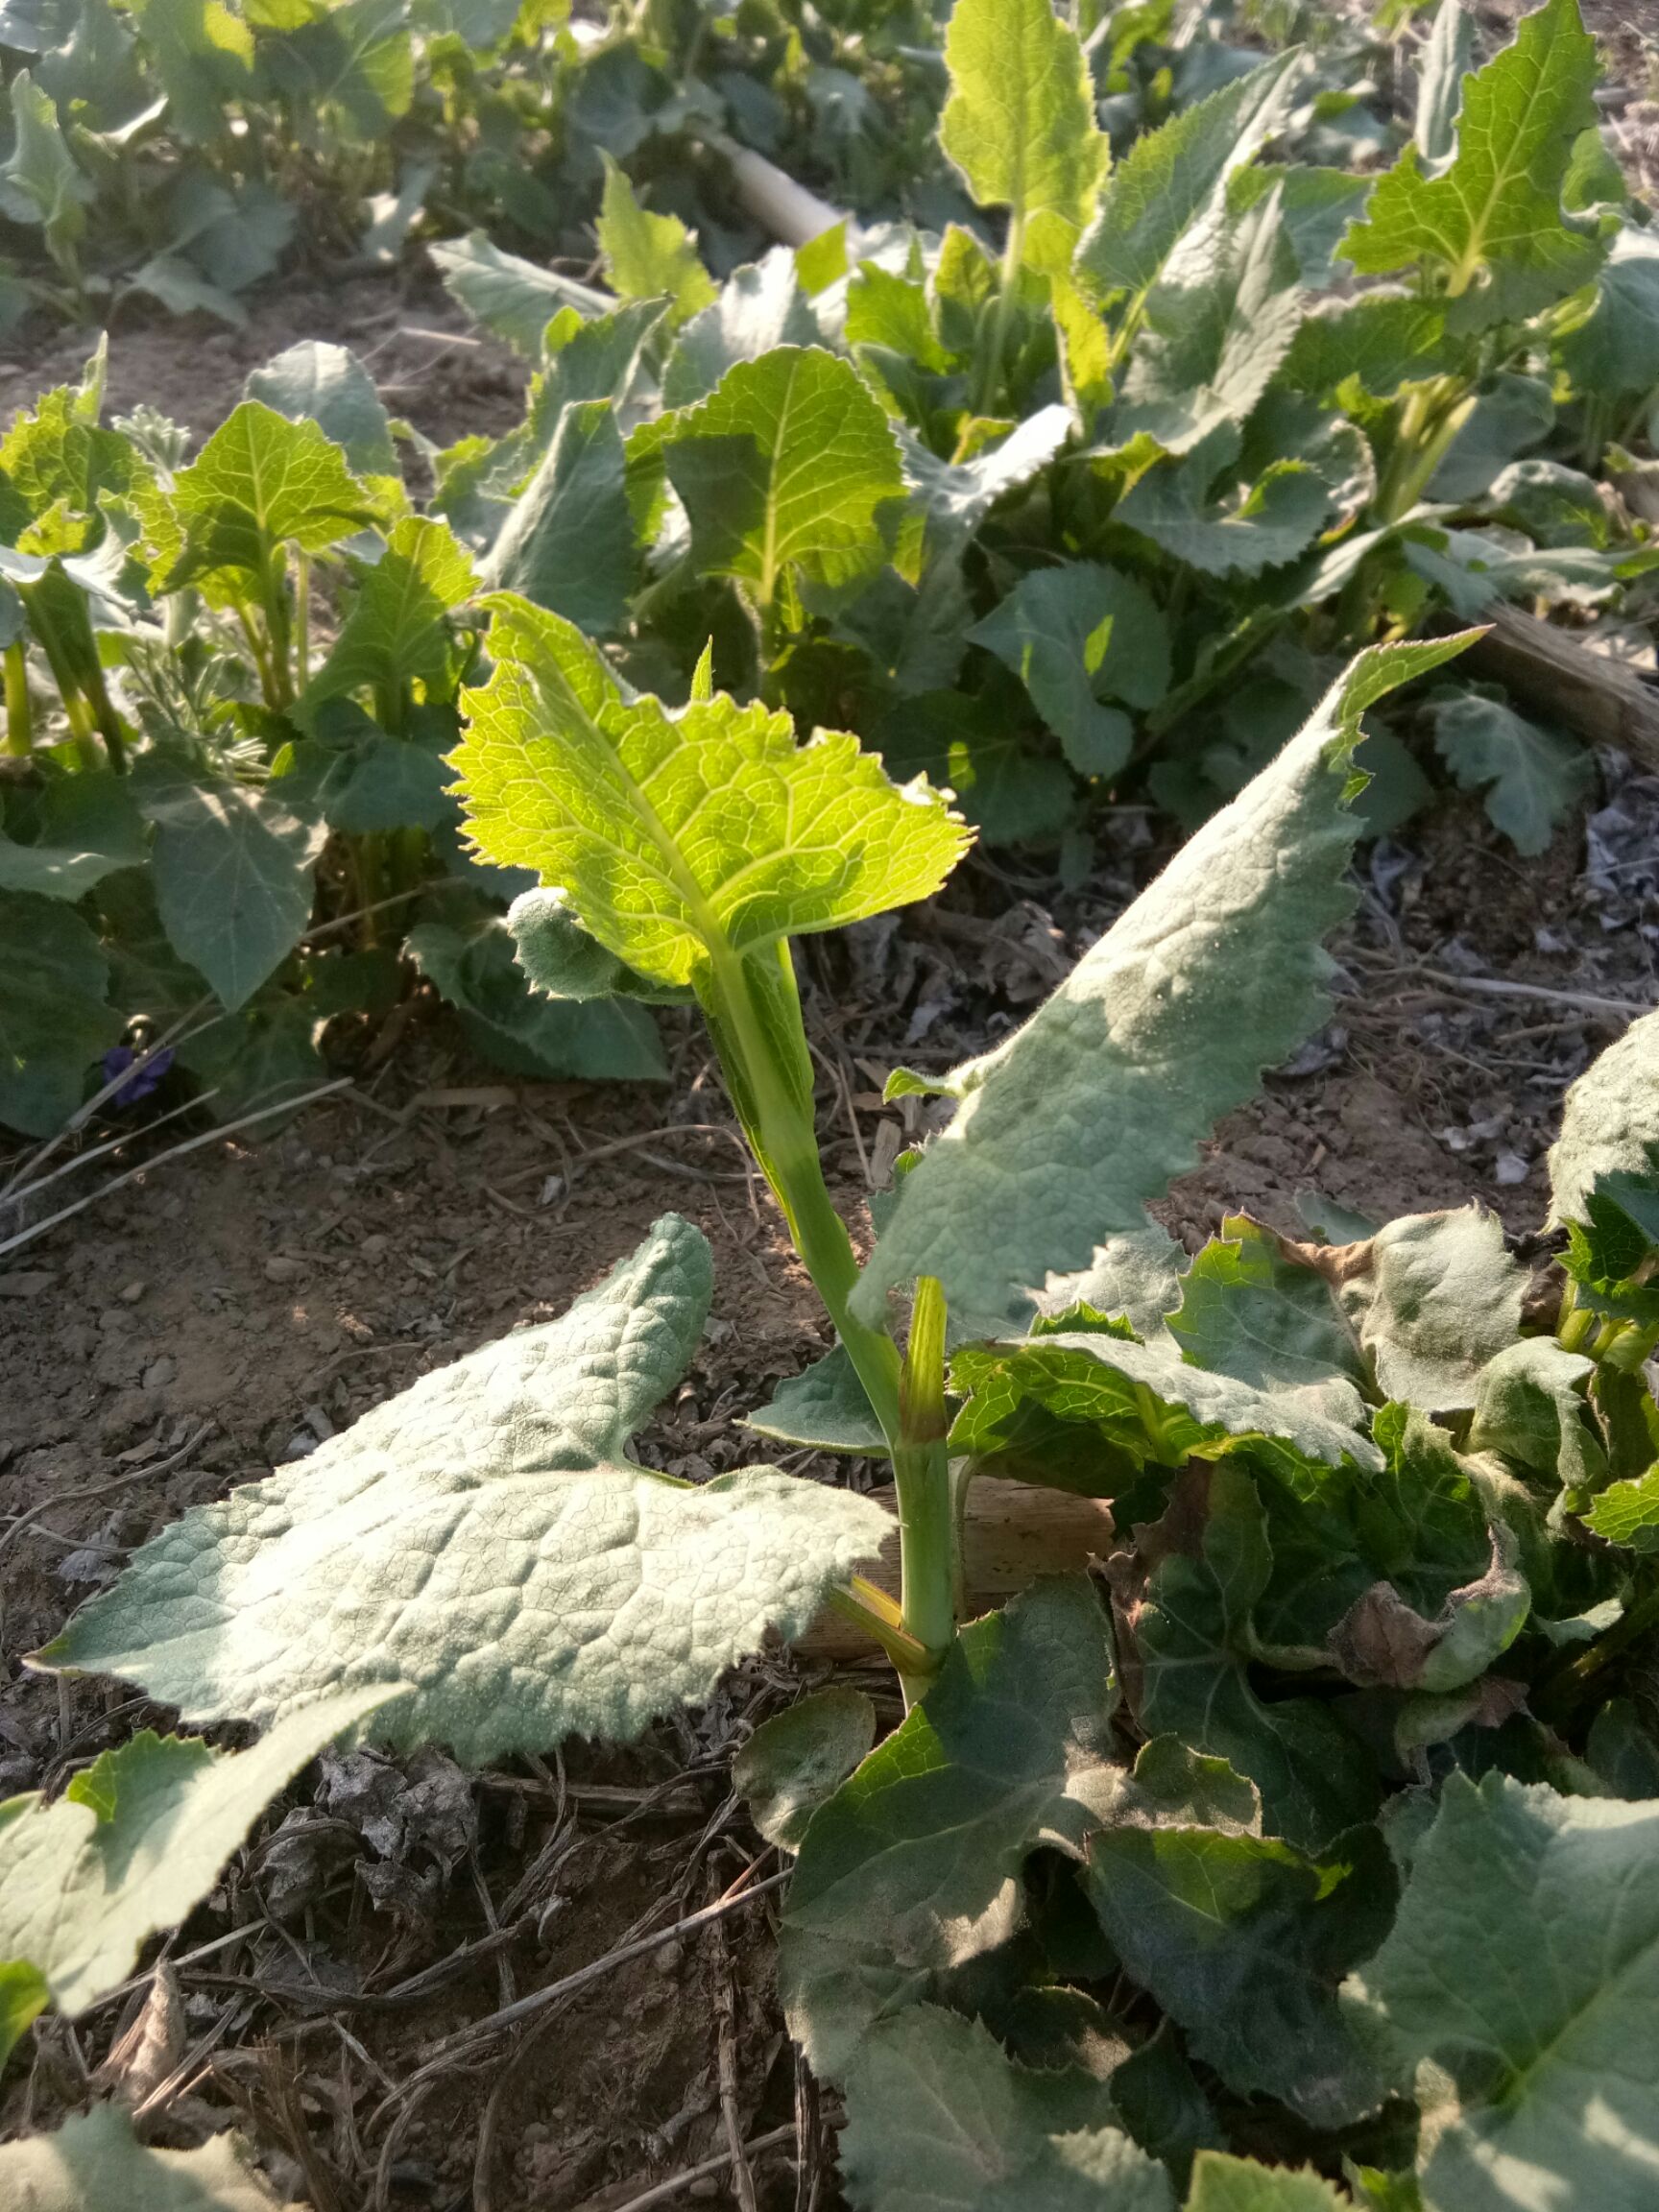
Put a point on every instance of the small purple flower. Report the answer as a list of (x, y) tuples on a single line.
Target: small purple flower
[(120, 1057)]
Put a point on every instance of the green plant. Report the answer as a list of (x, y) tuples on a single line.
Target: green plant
[(1355, 1769)]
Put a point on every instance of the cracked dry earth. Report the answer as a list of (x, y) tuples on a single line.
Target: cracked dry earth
[(339, 1994)]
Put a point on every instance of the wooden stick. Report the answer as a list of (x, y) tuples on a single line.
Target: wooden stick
[(1599, 700)]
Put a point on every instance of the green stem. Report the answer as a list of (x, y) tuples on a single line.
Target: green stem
[(19, 710), (990, 378), (301, 619), (1431, 418), (921, 1476)]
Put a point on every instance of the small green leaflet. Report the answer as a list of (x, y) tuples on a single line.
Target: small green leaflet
[(329, 386), (597, 1038), (1077, 634), (1019, 124), (485, 1539), (260, 482), (801, 1756), (1525, 1962), (1448, 56), (94, 2161), (396, 634), (681, 837), (567, 541), (1628, 1512), (1066, 1131), (54, 1018), (789, 463), (649, 256), (1533, 775), (137, 1841), (1494, 211), (559, 958), (1250, 1311)]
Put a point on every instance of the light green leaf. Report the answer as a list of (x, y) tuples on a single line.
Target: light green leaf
[(1609, 1140), (1204, 514), (789, 463), (356, 56), (1628, 1513), (559, 958), (260, 482), (1524, 1963), (1244, 1940), (1529, 1406), (568, 543), (136, 1843), (761, 305), (953, 497), (1077, 634), (1250, 1312), (649, 256), (914, 1865), (1533, 776), (94, 2162), (1492, 219), (801, 1757), (54, 1021), (485, 1539), (1448, 57), (1165, 1024), (681, 836), (1171, 174), (1214, 328), (1224, 2184), (40, 181), (824, 1407), (397, 633), (1614, 349), (329, 386), (232, 866), (1440, 1297), (203, 54), (599, 1039), (1019, 124), (512, 296), (939, 2119), (1382, 338)]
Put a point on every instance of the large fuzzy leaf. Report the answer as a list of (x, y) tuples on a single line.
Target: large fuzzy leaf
[(682, 836), (1020, 122), (913, 1866), (515, 298), (1066, 1131), (137, 1841), (328, 385), (485, 1539), (586, 1034), (1250, 1311), (939, 2119), (1609, 1143), (94, 2161), (789, 464), (1493, 213), (1438, 1297), (1524, 1962)]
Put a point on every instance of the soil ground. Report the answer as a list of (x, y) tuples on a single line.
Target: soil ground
[(226, 1311)]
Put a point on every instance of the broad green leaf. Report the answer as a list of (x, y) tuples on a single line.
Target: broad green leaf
[(1019, 124), (649, 256), (1149, 1400), (939, 2119), (54, 871), (789, 463), (1185, 1611), (94, 2161), (1244, 1940), (1250, 1312), (1613, 350), (1533, 777), (40, 181), (1529, 1406), (1438, 1298), (974, 749), (232, 866), (54, 1018), (1075, 636), (355, 57), (1066, 1130), (914, 1865), (485, 1539), (1524, 1962), (258, 483), (559, 958), (362, 780), (598, 1039), (203, 54), (953, 497), (1214, 329), (396, 634), (682, 836), (1628, 1513), (760, 306), (800, 1757), (1491, 218), (329, 386), (824, 1407), (1171, 174), (890, 311), (1608, 1149), (1225, 523), (1448, 56), (512, 296), (568, 543), (1225, 2184), (137, 1841), (1382, 339)]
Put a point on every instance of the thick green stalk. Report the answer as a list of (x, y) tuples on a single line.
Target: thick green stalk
[(19, 712), (989, 377), (1429, 420), (922, 1475)]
